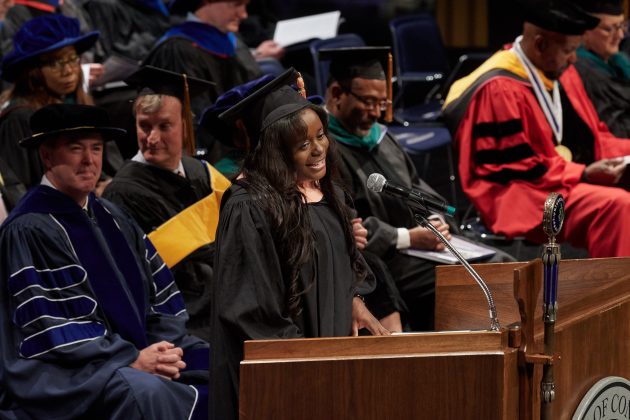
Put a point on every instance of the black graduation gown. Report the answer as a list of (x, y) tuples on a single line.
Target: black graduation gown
[(152, 196), (127, 28), (383, 214), (182, 56), (249, 292), (25, 163), (610, 96), (10, 187)]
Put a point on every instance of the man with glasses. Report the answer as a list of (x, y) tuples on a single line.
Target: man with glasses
[(356, 97), (524, 127), (605, 71)]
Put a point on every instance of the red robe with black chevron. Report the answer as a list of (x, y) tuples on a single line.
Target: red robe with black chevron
[(597, 217)]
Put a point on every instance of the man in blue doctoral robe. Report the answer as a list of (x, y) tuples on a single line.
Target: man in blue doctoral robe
[(91, 322)]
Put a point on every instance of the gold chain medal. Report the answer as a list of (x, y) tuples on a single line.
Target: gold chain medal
[(564, 152)]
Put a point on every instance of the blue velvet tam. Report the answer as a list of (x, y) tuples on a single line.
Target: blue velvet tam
[(258, 103), (41, 35), (54, 120), (268, 104), (222, 129)]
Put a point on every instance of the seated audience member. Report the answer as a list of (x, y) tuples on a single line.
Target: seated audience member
[(129, 28), (92, 323), (355, 98), (286, 261), (207, 46), (24, 10), (160, 184), (524, 127), (44, 67), (604, 70), (21, 11)]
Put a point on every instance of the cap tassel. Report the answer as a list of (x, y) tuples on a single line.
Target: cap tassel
[(189, 132), (300, 85), (389, 112)]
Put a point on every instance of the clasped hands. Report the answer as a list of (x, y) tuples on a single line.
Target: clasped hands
[(423, 238), (162, 359)]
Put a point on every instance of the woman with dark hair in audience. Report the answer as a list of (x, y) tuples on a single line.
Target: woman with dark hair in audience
[(286, 260), (44, 67)]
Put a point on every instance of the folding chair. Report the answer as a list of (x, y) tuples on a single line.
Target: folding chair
[(421, 63)]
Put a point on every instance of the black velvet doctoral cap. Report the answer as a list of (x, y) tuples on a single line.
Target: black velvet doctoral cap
[(606, 7), (363, 62), (270, 103), (58, 119), (560, 16), (150, 80)]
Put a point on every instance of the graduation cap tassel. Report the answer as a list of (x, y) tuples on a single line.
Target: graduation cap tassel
[(389, 113), (189, 132), (300, 85)]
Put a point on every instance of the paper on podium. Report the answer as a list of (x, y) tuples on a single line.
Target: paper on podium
[(471, 251), (292, 31)]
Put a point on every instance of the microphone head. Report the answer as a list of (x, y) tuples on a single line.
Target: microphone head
[(376, 182)]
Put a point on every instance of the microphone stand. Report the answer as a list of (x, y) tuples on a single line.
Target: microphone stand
[(494, 320)]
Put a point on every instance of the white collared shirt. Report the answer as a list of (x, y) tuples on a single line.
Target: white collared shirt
[(140, 159), (45, 181)]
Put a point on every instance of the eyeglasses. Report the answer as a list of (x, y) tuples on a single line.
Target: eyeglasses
[(59, 64), (614, 29), (370, 103)]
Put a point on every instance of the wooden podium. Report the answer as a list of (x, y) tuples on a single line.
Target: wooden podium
[(592, 331), (458, 373)]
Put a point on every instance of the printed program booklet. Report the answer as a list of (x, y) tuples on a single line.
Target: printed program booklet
[(471, 251), (321, 26)]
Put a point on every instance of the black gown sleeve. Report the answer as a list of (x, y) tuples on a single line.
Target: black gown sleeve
[(25, 163), (248, 295), (12, 189)]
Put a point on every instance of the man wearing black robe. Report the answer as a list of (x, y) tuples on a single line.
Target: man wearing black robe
[(207, 47), (355, 98), (154, 189)]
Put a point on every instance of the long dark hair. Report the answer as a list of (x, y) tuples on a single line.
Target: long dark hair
[(271, 178)]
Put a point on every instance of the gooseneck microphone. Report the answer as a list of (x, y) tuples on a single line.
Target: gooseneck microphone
[(377, 183)]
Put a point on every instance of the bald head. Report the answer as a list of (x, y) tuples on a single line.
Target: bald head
[(550, 52)]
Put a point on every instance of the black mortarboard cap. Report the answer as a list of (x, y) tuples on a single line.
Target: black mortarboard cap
[(268, 104), (363, 62), (606, 7), (560, 16), (150, 80)]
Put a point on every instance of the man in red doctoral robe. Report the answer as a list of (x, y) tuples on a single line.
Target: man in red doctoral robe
[(524, 127)]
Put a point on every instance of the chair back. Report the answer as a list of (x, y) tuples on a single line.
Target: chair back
[(321, 67), (418, 46), (465, 65)]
